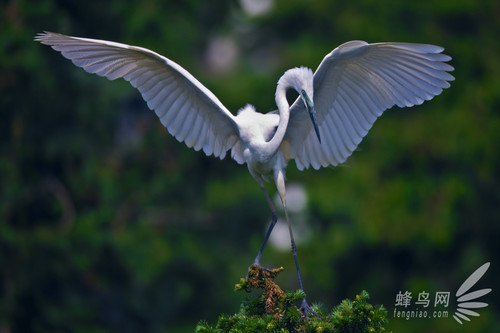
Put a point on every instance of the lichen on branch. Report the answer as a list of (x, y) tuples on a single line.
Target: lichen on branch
[(275, 310)]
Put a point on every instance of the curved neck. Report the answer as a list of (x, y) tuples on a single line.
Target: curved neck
[(272, 146), (295, 78)]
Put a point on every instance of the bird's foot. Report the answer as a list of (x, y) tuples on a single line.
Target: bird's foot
[(257, 276), (256, 266), (305, 309)]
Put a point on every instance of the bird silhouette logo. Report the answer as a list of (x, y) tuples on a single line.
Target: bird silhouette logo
[(467, 300)]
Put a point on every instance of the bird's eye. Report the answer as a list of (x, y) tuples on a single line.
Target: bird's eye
[(306, 98)]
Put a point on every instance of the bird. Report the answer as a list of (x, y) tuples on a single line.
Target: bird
[(337, 105)]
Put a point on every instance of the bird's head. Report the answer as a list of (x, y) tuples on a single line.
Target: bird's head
[(302, 80)]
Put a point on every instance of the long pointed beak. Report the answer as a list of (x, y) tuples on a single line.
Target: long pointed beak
[(312, 112)]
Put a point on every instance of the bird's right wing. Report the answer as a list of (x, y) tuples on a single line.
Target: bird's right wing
[(353, 86), (189, 111)]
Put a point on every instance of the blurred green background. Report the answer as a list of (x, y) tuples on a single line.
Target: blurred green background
[(108, 224)]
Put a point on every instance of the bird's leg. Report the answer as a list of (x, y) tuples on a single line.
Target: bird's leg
[(280, 183), (271, 226), (269, 230), (304, 307)]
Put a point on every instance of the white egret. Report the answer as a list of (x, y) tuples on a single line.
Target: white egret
[(336, 107)]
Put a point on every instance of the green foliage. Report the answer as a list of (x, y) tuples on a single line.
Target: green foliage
[(359, 315), (274, 311)]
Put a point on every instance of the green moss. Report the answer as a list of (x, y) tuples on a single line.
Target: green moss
[(273, 310)]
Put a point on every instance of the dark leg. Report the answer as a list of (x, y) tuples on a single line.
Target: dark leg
[(304, 307), (269, 230), (268, 233), (279, 178)]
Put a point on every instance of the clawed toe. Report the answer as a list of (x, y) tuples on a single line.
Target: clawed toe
[(262, 278), (254, 266), (305, 309)]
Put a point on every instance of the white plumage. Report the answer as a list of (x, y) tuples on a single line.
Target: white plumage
[(353, 86)]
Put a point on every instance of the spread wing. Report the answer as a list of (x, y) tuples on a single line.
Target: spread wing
[(189, 111), (353, 86)]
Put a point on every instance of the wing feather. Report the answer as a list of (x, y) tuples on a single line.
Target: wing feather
[(200, 141), (191, 112), (192, 138), (353, 86), (332, 141)]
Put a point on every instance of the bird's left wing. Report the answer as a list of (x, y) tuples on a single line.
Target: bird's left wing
[(189, 111), (353, 86)]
